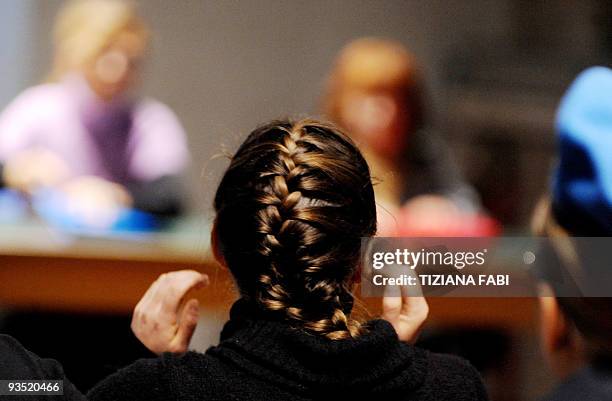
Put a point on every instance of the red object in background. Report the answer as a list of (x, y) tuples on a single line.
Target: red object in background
[(411, 224)]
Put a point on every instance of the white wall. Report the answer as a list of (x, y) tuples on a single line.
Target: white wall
[(16, 37)]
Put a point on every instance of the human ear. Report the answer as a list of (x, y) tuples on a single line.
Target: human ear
[(214, 243)]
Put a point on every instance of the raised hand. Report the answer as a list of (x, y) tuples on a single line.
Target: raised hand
[(406, 312), (164, 320)]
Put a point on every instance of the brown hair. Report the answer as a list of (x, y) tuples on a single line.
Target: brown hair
[(375, 64), (292, 208)]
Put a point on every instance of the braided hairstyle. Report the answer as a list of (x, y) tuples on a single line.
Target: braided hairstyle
[(292, 208)]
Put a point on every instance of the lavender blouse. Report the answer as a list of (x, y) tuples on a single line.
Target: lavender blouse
[(121, 141)]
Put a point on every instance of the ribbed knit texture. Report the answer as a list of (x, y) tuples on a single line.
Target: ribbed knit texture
[(262, 359)]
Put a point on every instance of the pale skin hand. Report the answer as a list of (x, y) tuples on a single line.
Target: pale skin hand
[(34, 168), (96, 201), (163, 320), (406, 313), (164, 323)]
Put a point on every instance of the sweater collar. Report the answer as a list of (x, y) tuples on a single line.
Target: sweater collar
[(274, 350)]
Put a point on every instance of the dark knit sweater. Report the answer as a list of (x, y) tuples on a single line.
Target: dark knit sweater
[(17, 363), (260, 359)]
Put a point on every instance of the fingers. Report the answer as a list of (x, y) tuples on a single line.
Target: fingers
[(159, 321), (173, 286), (187, 324), (416, 308), (412, 307), (396, 306), (413, 302), (406, 309), (396, 299), (391, 306), (414, 318)]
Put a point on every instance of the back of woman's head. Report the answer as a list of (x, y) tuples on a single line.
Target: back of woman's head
[(291, 210)]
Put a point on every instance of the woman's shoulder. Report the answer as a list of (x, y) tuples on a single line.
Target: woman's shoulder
[(45, 99), (155, 119), (183, 376), (149, 108), (19, 363), (42, 93), (161, 378), (144, 379), (450, 377)]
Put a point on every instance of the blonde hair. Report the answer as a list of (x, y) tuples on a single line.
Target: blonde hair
[(84, 28)]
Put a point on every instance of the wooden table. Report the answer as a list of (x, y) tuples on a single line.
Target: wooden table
[(46, 270)]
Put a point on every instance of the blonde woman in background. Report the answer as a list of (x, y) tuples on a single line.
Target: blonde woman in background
[(84, 132), (85, 136)]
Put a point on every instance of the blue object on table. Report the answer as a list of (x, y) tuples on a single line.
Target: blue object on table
[(135, 220), (50, 205), (13, 206)]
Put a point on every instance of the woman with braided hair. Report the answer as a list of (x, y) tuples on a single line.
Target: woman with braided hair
[(291, 211), (288, 196)]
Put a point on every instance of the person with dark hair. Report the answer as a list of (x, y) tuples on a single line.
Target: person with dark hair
[(291, 211), (576, 331)]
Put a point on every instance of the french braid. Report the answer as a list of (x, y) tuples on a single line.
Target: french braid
[(294, 204)]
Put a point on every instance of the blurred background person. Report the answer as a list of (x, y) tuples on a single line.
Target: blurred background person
[(86, 134), (375, 91), (91, 154), (576, 331)]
